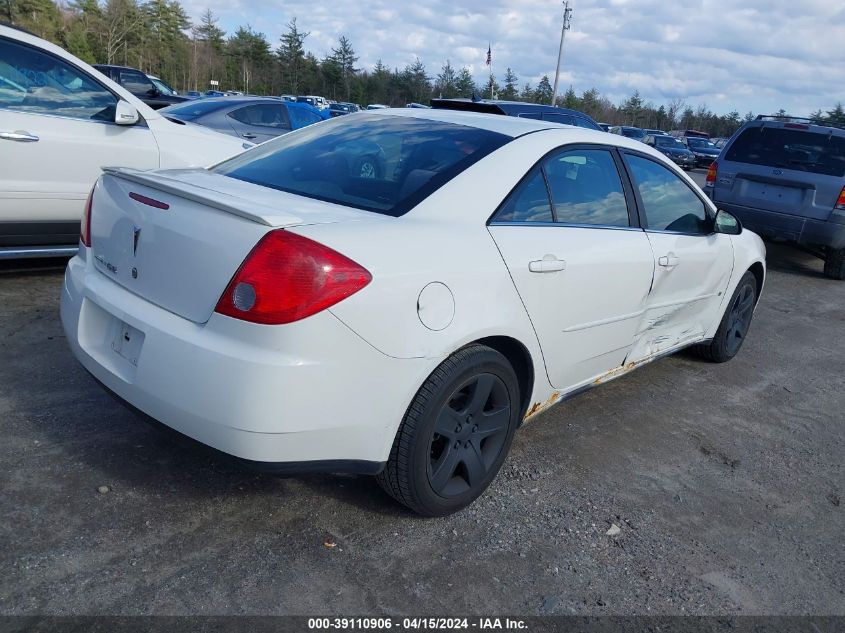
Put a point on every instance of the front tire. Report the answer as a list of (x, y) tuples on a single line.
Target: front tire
[(455, 434), (834, 264), (735, 323)]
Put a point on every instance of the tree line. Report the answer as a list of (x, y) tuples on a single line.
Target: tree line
[(158, 37)]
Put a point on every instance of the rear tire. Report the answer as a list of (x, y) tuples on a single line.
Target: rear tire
[(834, 264), (735, 324), (455, 434)]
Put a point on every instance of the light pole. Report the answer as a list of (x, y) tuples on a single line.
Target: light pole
[(567, 18)]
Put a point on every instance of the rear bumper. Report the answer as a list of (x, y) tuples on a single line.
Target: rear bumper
[(791, 228), (311, 394)]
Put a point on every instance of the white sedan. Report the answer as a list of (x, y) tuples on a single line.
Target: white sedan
[(60, 122), (282, 308)]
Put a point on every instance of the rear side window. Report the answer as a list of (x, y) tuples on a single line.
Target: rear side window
[(554, 117), (263, 115), (790, 149), (35, 82), (529, 202), (669, 204), (586, 188), (384, 164), (300, 117), (190, 110)]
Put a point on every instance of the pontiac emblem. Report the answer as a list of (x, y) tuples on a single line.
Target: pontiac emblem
[(136, 233)]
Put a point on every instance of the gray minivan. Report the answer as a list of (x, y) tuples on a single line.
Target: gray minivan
[(784, 178)]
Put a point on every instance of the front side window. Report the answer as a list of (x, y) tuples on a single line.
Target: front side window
[(668, 203), (586, 123), (384, 164), (586, 188), (36, 82), (136, 83), (263, 115)]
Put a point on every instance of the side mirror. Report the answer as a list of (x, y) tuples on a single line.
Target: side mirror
[(727, 223), (125, 113)]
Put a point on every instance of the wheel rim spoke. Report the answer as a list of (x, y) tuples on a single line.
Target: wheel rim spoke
[(494, 422), (444, 469), (447, 422), (474, 463), (480, 394)]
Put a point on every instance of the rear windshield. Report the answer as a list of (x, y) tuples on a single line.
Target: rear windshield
[(190, 110), (384, 164), (700, 143), (791, 149), (667, 141), (633, 132)]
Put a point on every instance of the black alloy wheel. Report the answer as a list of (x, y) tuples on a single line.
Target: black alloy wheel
[(735, 324), (739, 319), (455, 434), (469, 434)]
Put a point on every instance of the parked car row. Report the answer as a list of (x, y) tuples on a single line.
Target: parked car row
[(62, 121)]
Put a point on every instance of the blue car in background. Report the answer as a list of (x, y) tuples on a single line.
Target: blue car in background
[(255, 119)]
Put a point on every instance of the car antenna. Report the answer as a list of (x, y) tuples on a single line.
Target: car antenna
[(475, 96)]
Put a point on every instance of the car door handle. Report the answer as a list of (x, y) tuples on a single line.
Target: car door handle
[(669, 261), (547, 265), (249, 135), (20, 136)]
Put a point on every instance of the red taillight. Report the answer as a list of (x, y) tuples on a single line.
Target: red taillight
[(288, 277), (85, 225), (840, 202), (710, 181)]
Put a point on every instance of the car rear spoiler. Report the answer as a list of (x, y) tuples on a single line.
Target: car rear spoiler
[(262, 214)]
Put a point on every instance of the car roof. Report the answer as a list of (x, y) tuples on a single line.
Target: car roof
[(795, 123), (509, 126)]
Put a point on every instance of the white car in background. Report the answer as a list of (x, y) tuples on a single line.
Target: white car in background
[(60, 122), (282, 308)]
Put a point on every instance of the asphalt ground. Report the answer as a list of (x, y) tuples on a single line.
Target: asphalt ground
[(724, 481)]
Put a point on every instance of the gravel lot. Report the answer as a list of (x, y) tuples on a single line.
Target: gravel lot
[(725, 481)]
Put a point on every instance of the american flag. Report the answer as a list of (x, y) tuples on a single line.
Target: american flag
[(489, 56)]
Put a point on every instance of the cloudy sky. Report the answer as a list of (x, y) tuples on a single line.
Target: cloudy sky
[(758, 55)]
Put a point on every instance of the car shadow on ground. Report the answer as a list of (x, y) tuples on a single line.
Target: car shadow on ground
[(792, 260)]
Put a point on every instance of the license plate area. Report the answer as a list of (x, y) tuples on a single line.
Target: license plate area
[(127, 341), (114, 344)]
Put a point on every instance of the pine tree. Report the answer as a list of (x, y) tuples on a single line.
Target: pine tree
[(511, 90), (446, 85), (291, 56), (465, 83), (543, 94), (345, 58)]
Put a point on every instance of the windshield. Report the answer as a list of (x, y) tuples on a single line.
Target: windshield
[(700, 143), (668, 141), (163, 87), (633, 132), (790, 149), (384, 164)]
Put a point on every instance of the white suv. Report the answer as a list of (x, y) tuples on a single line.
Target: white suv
[(60, 122)]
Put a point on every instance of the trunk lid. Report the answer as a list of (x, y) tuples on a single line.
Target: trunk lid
[(176, 238)]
